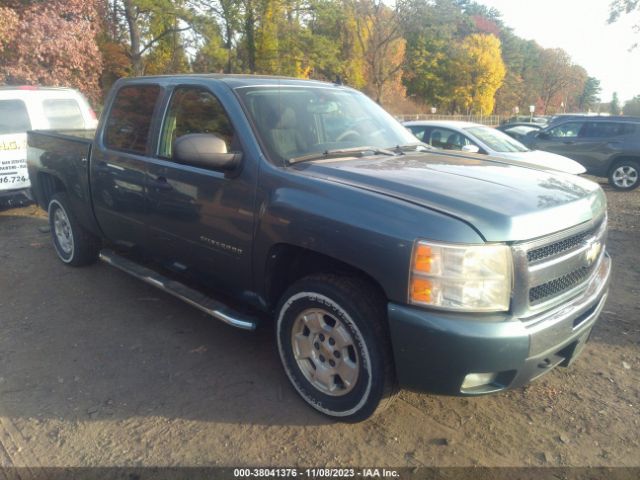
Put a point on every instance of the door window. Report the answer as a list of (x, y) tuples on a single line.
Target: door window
[(607, 129), (194, 110), (13, 117), (448, 139), (129, 121), (63, 113), (569, 129)]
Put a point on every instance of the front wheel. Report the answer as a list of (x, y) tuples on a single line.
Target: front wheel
[(334, 346), (624, 175), (74, 245)]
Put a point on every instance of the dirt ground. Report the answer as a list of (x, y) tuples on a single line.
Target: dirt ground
[(99, 369)]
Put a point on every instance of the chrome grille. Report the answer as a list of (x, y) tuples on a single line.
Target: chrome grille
[(552, 269), (557, 248), (559, 285)]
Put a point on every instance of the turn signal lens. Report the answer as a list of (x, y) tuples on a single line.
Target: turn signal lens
[(423, 259), (421, 290)]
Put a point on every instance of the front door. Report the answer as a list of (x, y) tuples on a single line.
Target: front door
[(200, 219), (564, 139)]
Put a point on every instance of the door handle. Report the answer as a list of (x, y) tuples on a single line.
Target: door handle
[(161, 183), (569, 142)]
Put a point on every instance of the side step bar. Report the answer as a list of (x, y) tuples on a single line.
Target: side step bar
[(193, 297)]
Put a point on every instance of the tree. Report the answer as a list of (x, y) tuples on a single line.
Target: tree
[(219, 23), (569, 97), (632, 107), (481, 71), (521, 83), (433, 31), (589, 96), (556, 74), (139, 26), (379, 34), (614, 106), (51, 43), (617, 8)]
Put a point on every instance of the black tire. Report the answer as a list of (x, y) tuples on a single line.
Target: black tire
[(79, 247), (354, 308), (625, 175)]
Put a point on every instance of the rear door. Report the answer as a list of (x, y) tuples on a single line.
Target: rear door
[(599, 140), (14, 123), (119, 163), (200, 219)]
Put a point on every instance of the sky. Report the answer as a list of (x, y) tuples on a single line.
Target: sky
[(580, 28)]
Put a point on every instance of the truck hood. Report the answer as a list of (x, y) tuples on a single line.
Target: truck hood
[(545, 160), (503, 202)]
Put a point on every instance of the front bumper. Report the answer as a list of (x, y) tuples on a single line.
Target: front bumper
[(435, 351)]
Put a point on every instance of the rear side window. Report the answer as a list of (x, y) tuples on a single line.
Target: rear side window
[(63, 113), (130, 118), (13, 117), (626, 128), (605, 129)]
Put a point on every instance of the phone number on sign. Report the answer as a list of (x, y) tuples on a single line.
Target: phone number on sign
[(12, 178)]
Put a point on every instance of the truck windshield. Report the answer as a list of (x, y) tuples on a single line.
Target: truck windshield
[(299, 122)]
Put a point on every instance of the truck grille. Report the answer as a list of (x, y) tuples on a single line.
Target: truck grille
[(559, 285), (557, 267), (557, 248)]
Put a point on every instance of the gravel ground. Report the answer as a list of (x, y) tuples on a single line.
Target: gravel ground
[(99, 369)]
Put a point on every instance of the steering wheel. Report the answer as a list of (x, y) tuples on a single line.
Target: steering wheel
[(349, 133)]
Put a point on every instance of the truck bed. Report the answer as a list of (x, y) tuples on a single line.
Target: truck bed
[(61, 157)]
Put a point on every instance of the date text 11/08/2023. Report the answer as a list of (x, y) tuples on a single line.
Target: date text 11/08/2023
[(315, 472)]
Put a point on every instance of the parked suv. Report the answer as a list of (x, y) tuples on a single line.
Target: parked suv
[(38, 108), (606, 146)]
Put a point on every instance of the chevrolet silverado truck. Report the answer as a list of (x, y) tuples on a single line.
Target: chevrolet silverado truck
[(381, 262)]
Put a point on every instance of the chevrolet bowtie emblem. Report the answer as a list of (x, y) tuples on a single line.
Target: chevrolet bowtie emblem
[(592, 252)]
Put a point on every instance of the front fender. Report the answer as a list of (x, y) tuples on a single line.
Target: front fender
[(366, 230)]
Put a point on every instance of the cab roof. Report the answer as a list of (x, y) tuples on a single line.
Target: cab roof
[(233, 80)]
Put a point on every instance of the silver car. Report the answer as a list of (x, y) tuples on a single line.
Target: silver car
[(475, 138)]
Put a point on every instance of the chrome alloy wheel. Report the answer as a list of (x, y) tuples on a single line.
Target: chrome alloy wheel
[(325, 352), (62, 230), (625, 176)]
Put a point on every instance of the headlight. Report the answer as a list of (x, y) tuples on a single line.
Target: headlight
[(474, 278)]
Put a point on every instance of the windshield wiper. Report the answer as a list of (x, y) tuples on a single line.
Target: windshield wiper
[(343, 152), (412, 147)]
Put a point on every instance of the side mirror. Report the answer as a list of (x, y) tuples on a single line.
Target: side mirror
[(542, 135), (471, 149), (205, 150)]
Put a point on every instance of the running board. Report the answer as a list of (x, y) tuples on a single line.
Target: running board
[(193, 297)]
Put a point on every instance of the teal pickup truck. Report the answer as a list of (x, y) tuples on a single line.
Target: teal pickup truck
[(381, 262)]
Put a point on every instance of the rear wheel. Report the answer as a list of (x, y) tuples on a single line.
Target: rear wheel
[(624, 175), (334, 346), (73, 243)]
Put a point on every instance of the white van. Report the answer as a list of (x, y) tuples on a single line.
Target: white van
[(34, 108)]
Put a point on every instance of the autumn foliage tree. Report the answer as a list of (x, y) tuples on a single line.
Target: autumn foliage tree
[(51, 43), (456, 55), (379, 34), (481, 72)]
